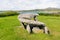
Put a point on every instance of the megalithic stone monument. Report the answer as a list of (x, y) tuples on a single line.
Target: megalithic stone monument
[(29, 24)]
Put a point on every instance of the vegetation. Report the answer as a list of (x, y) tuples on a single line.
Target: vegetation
[(8, 13), (49, 14), (10, 29)]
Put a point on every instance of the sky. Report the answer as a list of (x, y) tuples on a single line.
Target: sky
[(28, 4)]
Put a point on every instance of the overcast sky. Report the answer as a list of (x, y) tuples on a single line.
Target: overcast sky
[(28, 4)]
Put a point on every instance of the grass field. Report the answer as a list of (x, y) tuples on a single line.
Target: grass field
[(10, 29)]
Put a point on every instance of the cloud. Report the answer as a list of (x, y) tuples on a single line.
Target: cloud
[(27, 4)]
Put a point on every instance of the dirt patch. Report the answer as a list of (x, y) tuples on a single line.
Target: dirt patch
[(37, 30)]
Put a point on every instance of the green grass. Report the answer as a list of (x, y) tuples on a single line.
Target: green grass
[(10, 29)]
